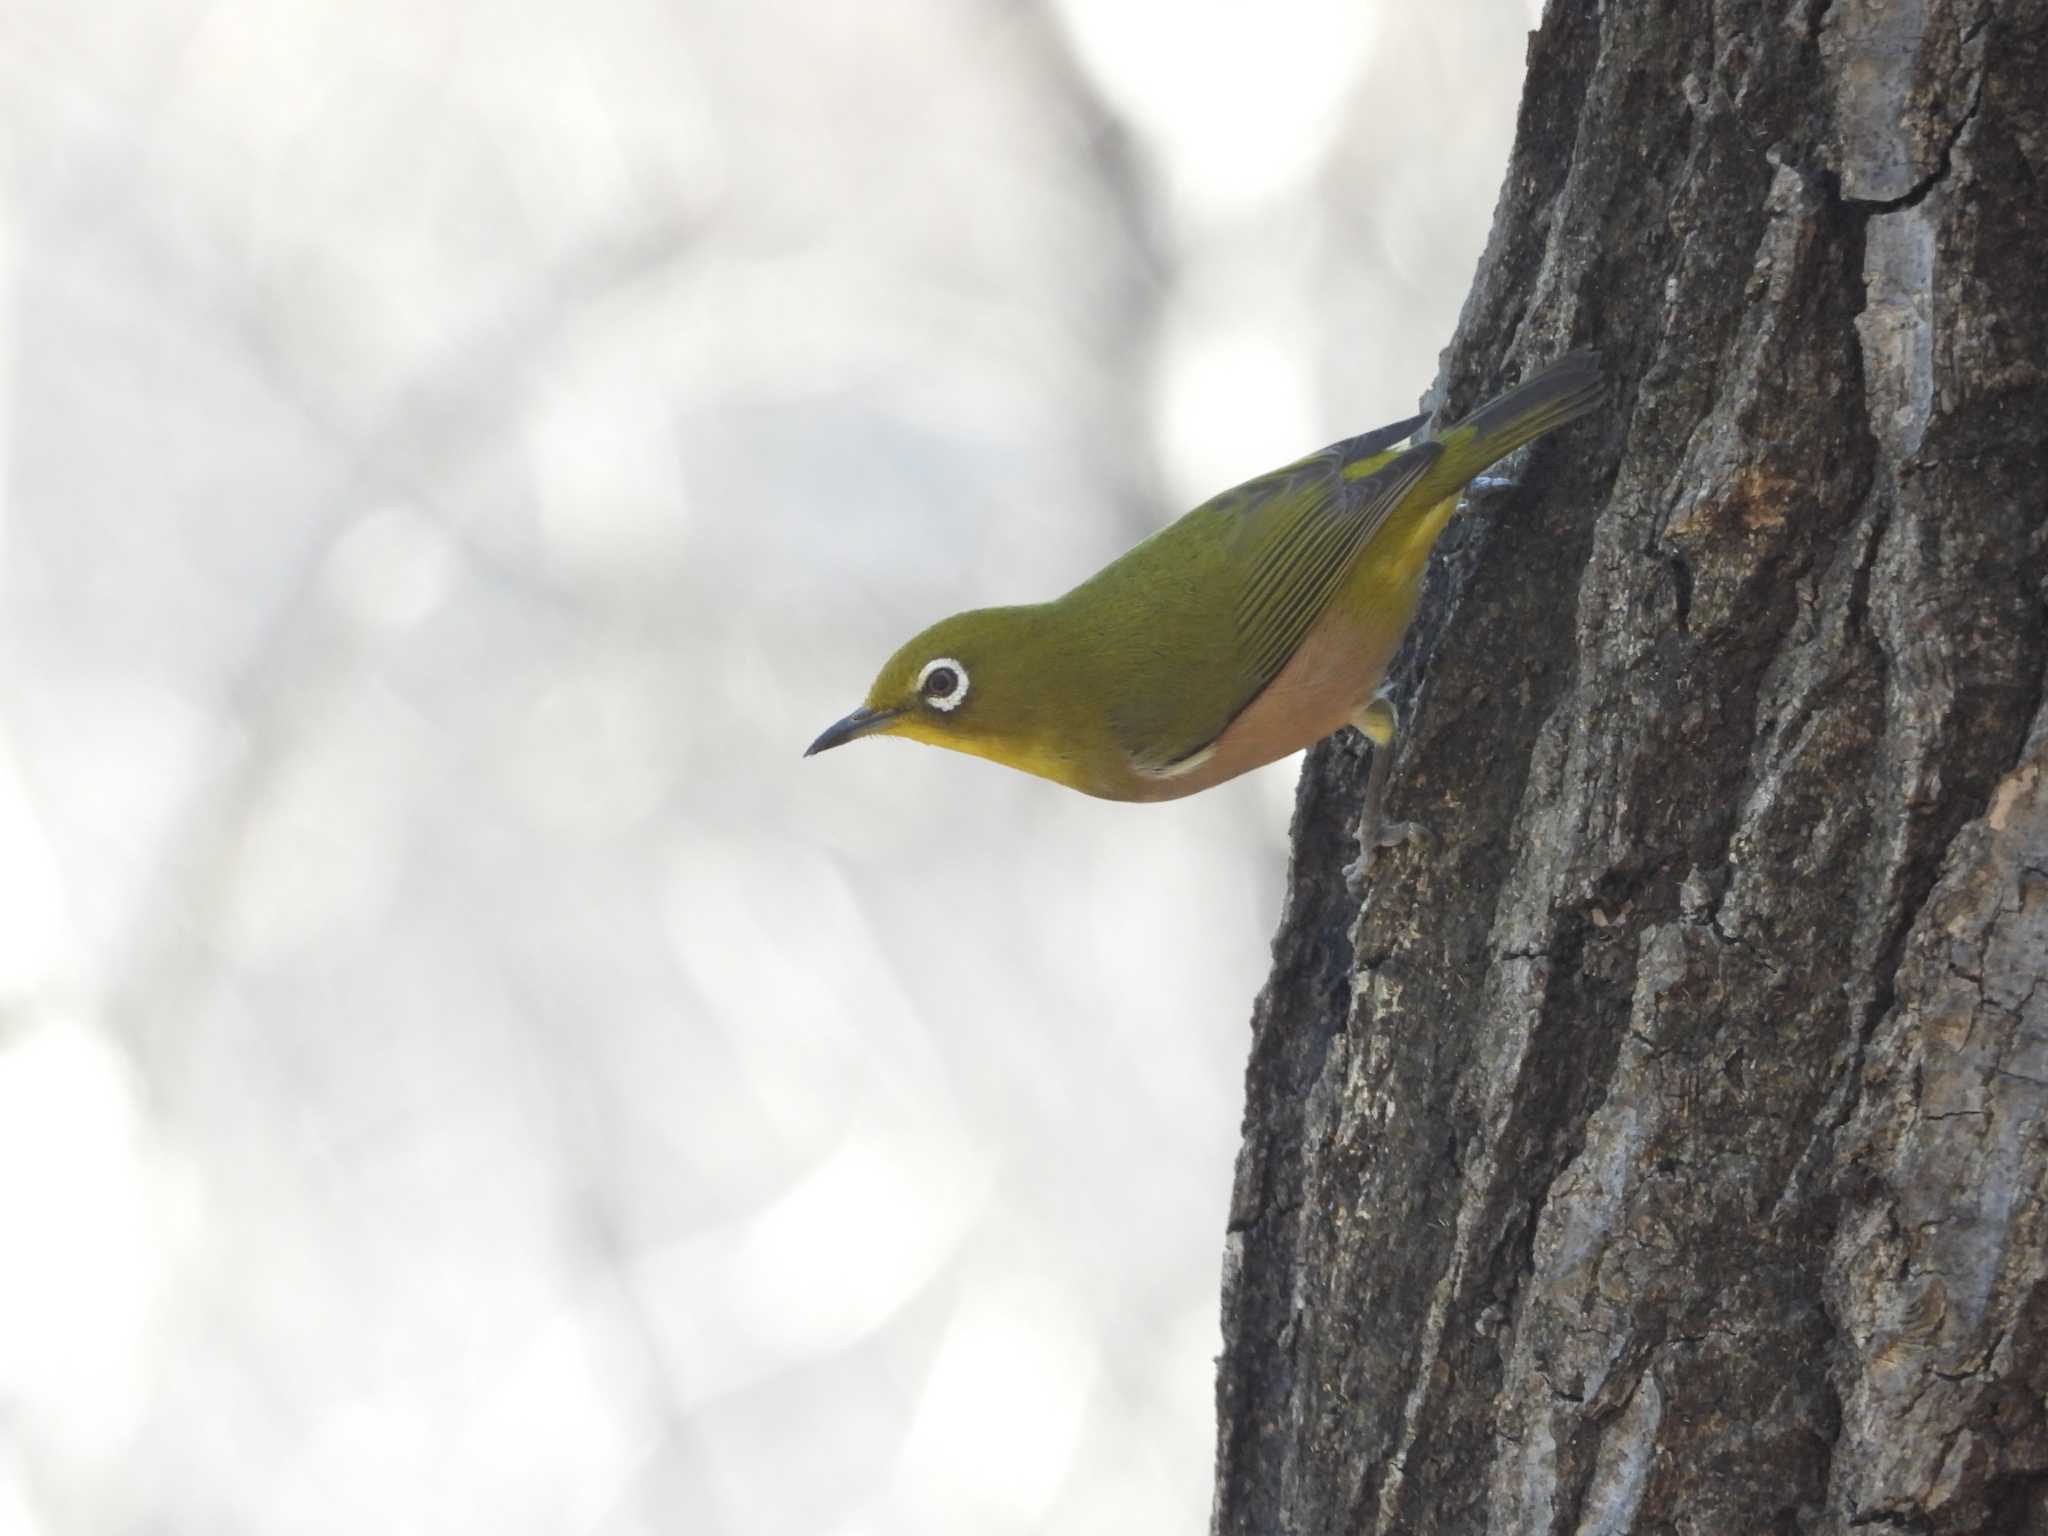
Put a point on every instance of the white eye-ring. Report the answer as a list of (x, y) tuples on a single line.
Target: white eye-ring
[(943, 683)]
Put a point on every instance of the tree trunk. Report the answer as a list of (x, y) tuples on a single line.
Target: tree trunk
[(1663, 1150)]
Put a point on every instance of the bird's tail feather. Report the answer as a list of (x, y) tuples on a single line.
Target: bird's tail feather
[(1562, 392)]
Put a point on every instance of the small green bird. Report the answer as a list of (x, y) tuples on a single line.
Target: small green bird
[(1254, 626)]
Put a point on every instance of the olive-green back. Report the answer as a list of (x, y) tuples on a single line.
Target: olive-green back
[(1142, 634)]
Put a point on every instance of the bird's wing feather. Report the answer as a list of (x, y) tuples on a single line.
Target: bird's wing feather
[(1360, 449), (1299, 548), (1295, 534)]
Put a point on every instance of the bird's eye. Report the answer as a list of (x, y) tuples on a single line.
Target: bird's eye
[(943, 683)]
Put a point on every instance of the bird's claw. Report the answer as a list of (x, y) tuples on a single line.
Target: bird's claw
[(1356, 871), (1371, 842), (1395, 833)]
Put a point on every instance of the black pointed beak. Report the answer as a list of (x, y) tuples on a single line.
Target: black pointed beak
[(857, 724)]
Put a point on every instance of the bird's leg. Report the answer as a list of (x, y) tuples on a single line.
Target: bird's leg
[(1380, 722)]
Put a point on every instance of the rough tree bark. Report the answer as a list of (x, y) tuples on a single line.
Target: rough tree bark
[(1664, 1150)]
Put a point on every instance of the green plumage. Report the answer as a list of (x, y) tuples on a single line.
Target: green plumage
[(1265, 558), (1247, 629)]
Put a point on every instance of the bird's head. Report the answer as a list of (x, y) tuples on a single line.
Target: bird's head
[(978, 682)]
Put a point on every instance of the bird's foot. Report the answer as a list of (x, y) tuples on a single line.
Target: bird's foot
[(1372, 841), (1485, 485)]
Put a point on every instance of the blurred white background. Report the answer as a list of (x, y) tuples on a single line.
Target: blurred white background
[(460, 1068)]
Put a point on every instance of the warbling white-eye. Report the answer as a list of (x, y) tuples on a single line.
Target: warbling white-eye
[(1254, 626)]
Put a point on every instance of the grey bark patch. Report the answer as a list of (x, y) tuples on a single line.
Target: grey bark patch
[(1870, 47), (1897, 327)]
